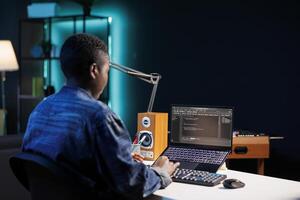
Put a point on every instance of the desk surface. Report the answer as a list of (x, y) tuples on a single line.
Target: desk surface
[(257, 187)]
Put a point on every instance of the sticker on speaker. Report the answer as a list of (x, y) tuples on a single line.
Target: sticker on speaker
[(146, 122), (147, 154)]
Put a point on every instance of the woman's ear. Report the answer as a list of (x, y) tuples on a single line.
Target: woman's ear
[(94, 70)]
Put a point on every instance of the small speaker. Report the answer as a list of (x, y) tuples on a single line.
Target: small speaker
[(153, 129)]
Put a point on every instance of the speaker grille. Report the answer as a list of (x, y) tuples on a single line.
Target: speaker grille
[(148, 141)]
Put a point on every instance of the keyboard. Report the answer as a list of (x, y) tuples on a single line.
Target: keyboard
[(197, 177), (195, 155)]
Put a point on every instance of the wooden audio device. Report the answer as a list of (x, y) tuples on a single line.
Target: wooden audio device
[(153, 130), (253, 147), (250, 147)]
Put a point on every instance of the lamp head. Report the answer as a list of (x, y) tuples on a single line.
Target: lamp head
[(8, 60)]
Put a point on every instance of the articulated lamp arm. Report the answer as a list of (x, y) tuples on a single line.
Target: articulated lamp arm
[(152, 78)]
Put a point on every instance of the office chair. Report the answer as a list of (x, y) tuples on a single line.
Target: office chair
[(45, 180)]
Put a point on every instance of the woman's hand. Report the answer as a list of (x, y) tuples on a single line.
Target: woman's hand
[(137, 157)]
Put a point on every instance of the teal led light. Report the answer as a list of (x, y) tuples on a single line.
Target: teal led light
[(109, 45), (46, 61), (110, 53), (45, 74), (117, 43), (117, 81), (110, 20), (60, 30)]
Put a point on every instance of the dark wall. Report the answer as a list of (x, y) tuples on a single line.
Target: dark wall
[(241, 54), (10, 13), (224, 53)]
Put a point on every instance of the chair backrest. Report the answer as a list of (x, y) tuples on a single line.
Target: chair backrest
[(10, 187), (45, 180)]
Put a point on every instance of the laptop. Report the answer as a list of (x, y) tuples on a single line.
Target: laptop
[(201, 137)]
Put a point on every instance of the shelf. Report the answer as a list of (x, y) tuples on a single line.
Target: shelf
[(24, 96), (67, 17), (45, 69), (41, 58)]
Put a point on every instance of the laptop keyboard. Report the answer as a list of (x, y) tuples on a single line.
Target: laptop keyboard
[(195, 155)]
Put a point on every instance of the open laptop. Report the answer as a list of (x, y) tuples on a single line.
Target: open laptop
[(201, 137)]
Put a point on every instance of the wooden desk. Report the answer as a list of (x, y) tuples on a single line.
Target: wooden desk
[(255, 147)]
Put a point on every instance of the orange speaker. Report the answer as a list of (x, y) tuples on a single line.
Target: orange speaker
[(153, 132)]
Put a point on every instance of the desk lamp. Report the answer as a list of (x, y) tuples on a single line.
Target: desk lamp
[(152, 126), (152, 78), (8, 62)]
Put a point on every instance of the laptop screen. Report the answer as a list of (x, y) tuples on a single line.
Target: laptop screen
[(201, 126)]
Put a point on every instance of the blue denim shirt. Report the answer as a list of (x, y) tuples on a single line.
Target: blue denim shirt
[(73, 128)]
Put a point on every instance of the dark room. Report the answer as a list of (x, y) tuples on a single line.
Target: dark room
[(136, 99)]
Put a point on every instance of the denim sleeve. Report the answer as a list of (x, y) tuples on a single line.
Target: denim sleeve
[(113, 149)]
